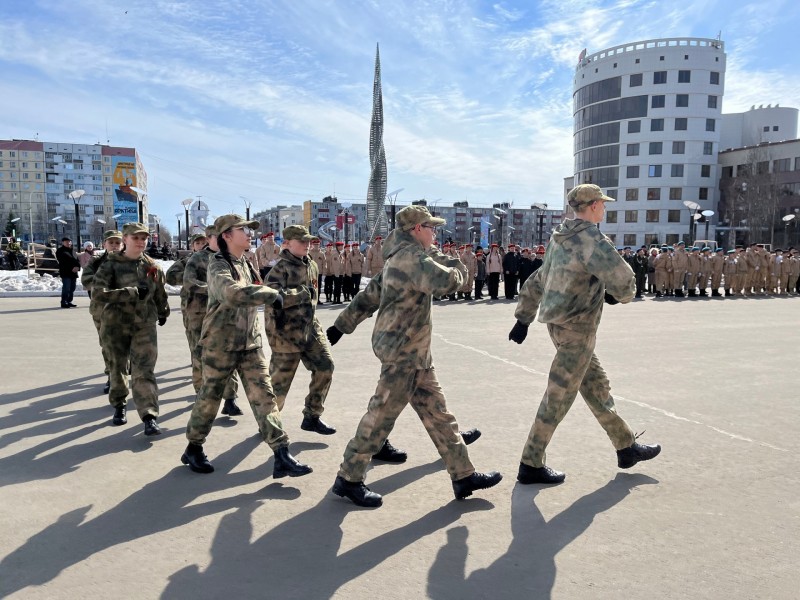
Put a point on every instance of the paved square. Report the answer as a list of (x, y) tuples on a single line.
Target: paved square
[(93, 511)]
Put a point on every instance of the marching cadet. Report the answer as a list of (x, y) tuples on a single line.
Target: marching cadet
[(651, 271), (356, 268), (581, 269), (765, 259), (703, 271), (692, 271), (730, 271), (112, 241), (680, 265), (194, 302), (336, 261), (413, 272), (317, 254), (753, 263), (375, 257), (742, 271), (232, 341), (329, 276), (130, 286), (174, 274), (347, 274), (717, 262), (293, 331)]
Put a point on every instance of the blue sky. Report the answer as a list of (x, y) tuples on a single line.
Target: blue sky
[(271, 100)]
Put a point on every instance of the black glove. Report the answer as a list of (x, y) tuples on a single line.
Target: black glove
[(161, 321), (610, 299), (333, 334), (142, 289), (518, 333), (277, 304)]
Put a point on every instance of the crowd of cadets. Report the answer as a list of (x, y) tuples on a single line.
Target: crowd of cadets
[(681, 272)]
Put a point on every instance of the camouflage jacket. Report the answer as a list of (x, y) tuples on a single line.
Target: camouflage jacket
[(232, 322), (296, 279), (87, 279), (175, 272), (115, 285), (401, 293), (194, 293), (580, 265)]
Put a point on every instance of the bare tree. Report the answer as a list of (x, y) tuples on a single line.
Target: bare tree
[(759, 195)]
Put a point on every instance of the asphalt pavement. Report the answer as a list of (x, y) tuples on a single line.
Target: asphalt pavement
[(94, 511)]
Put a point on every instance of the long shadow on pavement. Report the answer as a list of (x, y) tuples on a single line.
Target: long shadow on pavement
[(528, 568), (300, 557)]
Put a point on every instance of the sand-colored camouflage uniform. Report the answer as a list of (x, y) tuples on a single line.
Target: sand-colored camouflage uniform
[(401, 340), (194, 304), (128, 326), (294, 333), (581, 265), (232, 341)]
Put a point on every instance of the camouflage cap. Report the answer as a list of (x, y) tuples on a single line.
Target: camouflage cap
[(113, 233), (131, 228), (197, 236), (297, 232), (226, 222), (586, 193), (411, 216), (210, 231)]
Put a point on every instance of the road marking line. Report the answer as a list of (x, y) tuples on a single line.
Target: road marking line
[(666, 413)]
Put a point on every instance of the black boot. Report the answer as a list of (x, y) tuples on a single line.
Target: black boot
[(627, 457), (463, 488), (196, 459), (107, 386), (659, 294), (359, 493), (231, 408), (692, 294), (119, 416), (715, 293), (316, 425), (390, 454), (151, 426), (286, 464), (702, 292), (528, 474), (679, 293), (470, 435)]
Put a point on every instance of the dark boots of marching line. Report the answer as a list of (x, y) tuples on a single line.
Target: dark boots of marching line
[(286, 465)]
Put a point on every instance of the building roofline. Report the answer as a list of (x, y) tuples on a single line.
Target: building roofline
[(761, 145), (654, 44)]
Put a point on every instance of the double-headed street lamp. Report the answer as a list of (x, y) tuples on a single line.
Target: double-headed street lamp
[(247, 204), (186, 204)]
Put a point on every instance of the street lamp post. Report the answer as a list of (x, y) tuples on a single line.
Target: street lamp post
[(499, 214), (707, 214), (186, 204), (178, 216), (539, 207), (14, 229), (75, 196), (140, 204), (787, 220), (247, 204), (693, 208)]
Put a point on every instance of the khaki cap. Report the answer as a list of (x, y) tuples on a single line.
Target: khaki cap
[(131, 228), (226, 222), (586, 193), (197, 236), (411, 216), (113, 233), (297, 232)]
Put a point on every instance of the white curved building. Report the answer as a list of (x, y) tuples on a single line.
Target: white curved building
[(647, 122)]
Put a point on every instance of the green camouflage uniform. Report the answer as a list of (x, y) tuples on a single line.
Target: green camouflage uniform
[(128, 326), (581, 264), (194, 301), (175, 272), (95, 306), (231, 340), (296, 334), (401, 339)]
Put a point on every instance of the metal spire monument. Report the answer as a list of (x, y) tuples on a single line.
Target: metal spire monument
[(376, 192)]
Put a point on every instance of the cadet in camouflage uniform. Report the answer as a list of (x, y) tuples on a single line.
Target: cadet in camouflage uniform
[(231, 341), (293, 331), (130, 286), (401, 340), (112, 242), (175, 273), (581, 269), (194, 301)]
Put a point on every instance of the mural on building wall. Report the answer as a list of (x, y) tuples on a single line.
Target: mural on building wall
[(126, 201)]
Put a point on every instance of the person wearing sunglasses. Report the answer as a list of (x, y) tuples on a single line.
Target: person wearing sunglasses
[(232, 340)]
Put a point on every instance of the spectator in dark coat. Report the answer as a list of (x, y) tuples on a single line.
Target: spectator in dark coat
[(68, 267), (526, 267), (511, 271)]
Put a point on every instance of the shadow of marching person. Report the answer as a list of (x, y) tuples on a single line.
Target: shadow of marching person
[(162, 505), (300, 557), (528, 568)]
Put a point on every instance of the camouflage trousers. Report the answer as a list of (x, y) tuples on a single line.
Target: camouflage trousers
[(398, 385), (106, 360), (316, 358), (575, 367), (193, 322), (138, 342), (218, 367)]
